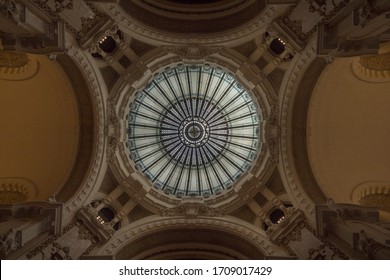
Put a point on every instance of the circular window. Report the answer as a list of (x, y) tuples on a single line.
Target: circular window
[(193, 130)]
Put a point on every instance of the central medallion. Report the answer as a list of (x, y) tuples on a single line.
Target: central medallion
[(194, 132), (196, 125)]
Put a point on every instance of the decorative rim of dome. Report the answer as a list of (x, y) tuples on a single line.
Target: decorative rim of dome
[(200, 9), (157, 35), (193, 131), (213, 18)]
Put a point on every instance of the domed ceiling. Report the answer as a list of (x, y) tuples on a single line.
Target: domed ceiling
[(195, 16), (40, 130), (193, 130), (347, 131)]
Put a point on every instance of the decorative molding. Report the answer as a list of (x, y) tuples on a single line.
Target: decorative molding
[(207, 51), (90, 249), (373, 69), (276, 78), (112, 131), (301, 21), (98, 91), (13, 60), (273, 147), (140, 30), (11, 10), (16, 190), (44, 7), (85, 234), (112, 116), (8, 243), (180, 51), (93, 29), (372, 194), (369, 11), (336, 251), (295, 234), (368, 246), (62, 252), (157, 223), (380, 62), (381, 201), (369, 188), (22, 68), (286, 165), (192, 52), (112, 146), (88, 217), (41, 246), (289, 229), (192, 209)]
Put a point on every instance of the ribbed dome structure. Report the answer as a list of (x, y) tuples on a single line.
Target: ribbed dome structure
[(193, 130)]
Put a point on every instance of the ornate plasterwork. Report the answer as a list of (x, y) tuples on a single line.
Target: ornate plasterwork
[(369, 188), (273, 147), (44, 244), (140, 30), (157, 223), (85, 234), (379, 62), (192, 52), (192, 209), (16, 190), (10, 10), (301, 20), (374, 68), (369, 11), (112, 131), (88, 217), (374, 194), (273, 131), (8, 243), (289, 229), (98, 91), (295, 234), (43, 5), (112, 145), (286, 165), (13, 59), (93, 29), (368, 246), (18, 69)]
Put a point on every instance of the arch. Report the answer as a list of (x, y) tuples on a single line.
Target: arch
[(90, 175), (298, 79), (248, 234), (40, 125), (155, 36)]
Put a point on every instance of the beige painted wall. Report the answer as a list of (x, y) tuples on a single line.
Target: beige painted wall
[(39, 128), (348, 131)]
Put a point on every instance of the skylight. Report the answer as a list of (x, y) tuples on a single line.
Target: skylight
[(193, 131)]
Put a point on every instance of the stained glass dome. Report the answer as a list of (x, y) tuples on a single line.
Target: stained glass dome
[(193, 130)]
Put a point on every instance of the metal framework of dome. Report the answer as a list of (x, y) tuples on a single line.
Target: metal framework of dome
[(193, 130)]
